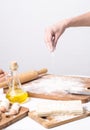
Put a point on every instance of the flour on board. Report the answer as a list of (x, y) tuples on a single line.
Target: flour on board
[(54, 84)]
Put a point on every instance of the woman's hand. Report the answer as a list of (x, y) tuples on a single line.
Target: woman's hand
[(53, 33)]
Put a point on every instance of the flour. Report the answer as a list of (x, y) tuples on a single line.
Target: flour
[(52, 59), (62, 117), (54, 84)]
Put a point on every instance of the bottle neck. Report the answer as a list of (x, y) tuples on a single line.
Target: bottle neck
[(15, 82)]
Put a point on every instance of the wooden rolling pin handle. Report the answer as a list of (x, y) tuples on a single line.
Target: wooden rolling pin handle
[(42, 71), (4, 84), (1, 71)]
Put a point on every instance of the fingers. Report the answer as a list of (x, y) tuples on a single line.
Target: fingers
[(50, 40)]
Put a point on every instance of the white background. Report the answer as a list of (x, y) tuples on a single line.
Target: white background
[(22, 26)]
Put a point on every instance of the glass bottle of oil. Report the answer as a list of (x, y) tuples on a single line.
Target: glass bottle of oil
[(15, 92)]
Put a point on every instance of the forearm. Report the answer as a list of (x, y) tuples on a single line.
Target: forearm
[(81, 20)]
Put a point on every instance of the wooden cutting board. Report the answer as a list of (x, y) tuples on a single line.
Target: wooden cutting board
[(50, 122), (6, 121), (57, 95)]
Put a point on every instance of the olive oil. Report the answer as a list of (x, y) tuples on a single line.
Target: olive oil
[(15, 92), (16, 95)]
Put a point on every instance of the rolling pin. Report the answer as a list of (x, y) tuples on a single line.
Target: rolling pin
[(26, 77)]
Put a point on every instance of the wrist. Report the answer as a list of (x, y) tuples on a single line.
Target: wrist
[(68, 23)]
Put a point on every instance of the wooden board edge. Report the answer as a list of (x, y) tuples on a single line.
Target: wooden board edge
[(84, 99), (49, 125), (24, 114)]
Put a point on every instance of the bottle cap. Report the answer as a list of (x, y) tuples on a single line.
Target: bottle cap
[(13, 65)]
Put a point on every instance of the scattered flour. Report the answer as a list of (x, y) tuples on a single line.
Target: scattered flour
[(63, 117), (54, 84)]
